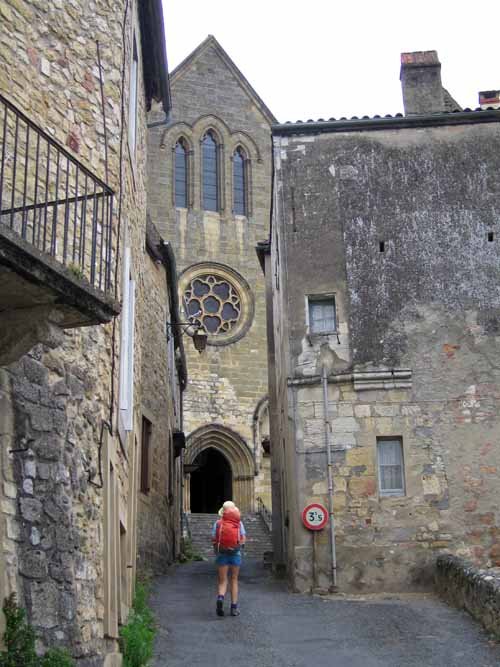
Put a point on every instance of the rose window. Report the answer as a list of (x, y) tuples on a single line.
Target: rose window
[(212, 302)]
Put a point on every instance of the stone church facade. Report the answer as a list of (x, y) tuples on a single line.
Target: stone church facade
[(383, 300), (209, 176)]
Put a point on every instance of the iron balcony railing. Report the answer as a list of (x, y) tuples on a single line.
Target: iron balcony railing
[(53, 201)]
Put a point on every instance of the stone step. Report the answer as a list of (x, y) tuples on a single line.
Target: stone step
[(258, 540)]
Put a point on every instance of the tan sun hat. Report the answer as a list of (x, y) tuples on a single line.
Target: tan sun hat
[(225, 506)]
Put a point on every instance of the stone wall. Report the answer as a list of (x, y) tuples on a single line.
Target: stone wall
[(404, 237), (227, 381), (159, 507), (466, 587), (71, 501)]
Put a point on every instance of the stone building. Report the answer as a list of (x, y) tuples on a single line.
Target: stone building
[(383, 288), (209, 194), (90, 415)]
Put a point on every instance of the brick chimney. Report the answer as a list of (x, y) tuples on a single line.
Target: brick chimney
[(489, 98), (421, 83)]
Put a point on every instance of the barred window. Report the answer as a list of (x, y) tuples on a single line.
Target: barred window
[(322, 317), (239, 183), (390, 466), (210, 173), (180, 186)]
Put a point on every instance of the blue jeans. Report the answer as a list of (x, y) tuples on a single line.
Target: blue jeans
[(229, 559)]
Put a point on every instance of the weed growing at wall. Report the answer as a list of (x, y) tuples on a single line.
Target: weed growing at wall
[(189, 553), (19, 641), (137, 636)]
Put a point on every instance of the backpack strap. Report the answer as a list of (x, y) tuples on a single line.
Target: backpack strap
[(220, 523)]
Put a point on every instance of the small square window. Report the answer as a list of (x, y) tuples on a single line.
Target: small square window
[(391, 480), (322, 316)]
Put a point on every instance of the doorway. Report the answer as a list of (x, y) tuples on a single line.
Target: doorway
[(212, 483)]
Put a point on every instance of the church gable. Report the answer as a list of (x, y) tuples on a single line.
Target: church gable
[(208, 82)]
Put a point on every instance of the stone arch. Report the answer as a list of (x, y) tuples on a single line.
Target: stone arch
[(211, 122), (231, 445), (243, 139)]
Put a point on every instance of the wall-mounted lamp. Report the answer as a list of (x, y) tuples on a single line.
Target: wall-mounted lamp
[(194, 331)]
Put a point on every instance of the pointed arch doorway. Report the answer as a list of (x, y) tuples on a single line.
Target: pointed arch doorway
[(220, 467), (211, 483)]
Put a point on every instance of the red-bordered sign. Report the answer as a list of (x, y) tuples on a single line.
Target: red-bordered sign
[(315, 516)]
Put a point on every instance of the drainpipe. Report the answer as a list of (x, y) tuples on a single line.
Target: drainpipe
[(328, 431)]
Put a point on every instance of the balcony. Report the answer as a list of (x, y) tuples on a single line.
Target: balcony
[(56, 239)]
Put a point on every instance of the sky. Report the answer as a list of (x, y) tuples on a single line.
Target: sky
[(322, 59)]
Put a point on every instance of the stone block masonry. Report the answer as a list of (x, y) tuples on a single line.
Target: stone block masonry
[(68, 523), (467, 587), (406, 256)]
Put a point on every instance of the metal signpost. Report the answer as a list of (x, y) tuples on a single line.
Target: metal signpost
[(314, 518)]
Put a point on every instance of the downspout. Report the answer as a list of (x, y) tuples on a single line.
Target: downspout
[(328, 431)]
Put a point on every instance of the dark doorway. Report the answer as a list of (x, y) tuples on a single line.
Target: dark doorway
[(211, 483)]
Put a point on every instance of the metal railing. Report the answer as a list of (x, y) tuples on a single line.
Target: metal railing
[(52, 200), (265, 513)]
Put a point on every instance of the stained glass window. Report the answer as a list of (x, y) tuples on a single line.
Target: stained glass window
[(180, 174), (210, 173), (239, 183)]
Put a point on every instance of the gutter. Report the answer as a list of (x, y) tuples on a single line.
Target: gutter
[(388, 123)]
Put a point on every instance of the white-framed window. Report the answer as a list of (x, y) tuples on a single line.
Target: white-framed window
[(133, 93), (321, 314), (390, 462), (127, 346)]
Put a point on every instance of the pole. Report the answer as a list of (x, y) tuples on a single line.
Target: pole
[(328, 430)]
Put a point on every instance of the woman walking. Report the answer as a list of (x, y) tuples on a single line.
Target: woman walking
[(228, 537)]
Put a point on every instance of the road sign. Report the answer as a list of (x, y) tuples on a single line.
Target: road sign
[(315, 516)]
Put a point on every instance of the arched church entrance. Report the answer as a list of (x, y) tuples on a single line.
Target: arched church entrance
[(211, 482), (218, 466)]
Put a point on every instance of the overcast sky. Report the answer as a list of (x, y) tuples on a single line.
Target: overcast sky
[(322, 59)]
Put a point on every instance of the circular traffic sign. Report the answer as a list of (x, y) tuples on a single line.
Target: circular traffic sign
[(315, 516)]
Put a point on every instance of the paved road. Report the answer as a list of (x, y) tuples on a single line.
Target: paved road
[(279, 629)]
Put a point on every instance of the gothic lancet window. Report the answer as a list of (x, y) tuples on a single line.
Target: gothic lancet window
[(240, 206), (210, 168), (181, 172)]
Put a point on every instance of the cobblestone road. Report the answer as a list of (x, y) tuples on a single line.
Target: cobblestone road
[(279, 629)]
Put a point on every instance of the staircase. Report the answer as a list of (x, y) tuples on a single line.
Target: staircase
[(258, 536)]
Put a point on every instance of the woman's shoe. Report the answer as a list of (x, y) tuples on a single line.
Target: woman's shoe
[(220, 608), (234, 610)]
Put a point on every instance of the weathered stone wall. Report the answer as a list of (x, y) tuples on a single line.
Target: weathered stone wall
[(226, 381), (74, 590), (158, 511), (417, 325), (466, 587)]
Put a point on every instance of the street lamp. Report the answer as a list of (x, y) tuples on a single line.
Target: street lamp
[(194, 331)]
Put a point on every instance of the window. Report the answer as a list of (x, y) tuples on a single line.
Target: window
[(239, 183), (146, 455), (181, 184), (322, 314), (127, 347), (210, 173), (390, 466), (213, 302), (132, 103)]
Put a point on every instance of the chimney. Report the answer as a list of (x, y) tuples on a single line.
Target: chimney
[(489, 99), (421, 83)]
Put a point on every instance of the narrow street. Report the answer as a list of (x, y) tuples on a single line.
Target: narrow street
[(279, 629)]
